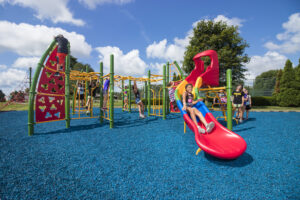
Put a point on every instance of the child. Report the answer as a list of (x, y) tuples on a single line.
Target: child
[(126, 91), (62, 51), (91, 87), (238, 102), (247, 103), (188, 103), (172, 95), (105, 93), (138, 100), (80, 92)]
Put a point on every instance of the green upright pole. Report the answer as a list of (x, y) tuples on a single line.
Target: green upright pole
[(167, 96), (67, 88), (145, 95), (149, 92), (180, 70), (229, 91), (111, 93), (101, 92), (73, 100), (33, 87), (123, 89), (164, 92), (129, 96), (30, 74)]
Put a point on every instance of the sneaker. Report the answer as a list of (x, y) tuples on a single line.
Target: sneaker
[(56, 74), (241, 121), (87, 112), (142, 116), (201, 130), (210, 127)]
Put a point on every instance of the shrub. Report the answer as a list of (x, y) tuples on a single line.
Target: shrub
[(263, 101)]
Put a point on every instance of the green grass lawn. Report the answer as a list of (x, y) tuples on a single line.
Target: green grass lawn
[(118, 104)]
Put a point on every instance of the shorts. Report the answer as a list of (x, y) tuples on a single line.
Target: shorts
[(61, 57), (248, 107), (81, 96), (189, 105), (138, 100), (237, 105)]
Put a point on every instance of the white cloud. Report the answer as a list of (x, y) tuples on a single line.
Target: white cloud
[(175, 51), (11, 79), (290, 38), (230, 21), (32, 40), (156, 68), (26, 62), (2, 67), (55, 10), (270, 60), (92, 4), (125, 64)]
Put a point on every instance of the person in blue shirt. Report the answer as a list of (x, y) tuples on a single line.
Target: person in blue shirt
[(105, 92)]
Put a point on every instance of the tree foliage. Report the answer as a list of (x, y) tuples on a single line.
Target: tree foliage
[(2, 96), (226, 41), (289, 94)]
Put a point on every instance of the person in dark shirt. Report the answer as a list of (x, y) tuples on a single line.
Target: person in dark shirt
[(238, 102), (138, 100), (62, 51)]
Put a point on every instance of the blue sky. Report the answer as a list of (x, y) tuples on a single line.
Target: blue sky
[(142, 34)]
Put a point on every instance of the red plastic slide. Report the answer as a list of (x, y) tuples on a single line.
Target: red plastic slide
[(221, 142)]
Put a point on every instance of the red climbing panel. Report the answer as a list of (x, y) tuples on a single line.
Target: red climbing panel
[(50, 99), (49, 108), (48, 83)]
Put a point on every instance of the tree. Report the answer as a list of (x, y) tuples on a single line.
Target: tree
[(226, 41), (288, 94), (2, 96), (81, 67), (264, 83)]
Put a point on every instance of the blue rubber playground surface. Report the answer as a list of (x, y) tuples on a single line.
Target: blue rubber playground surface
[(146, 159)]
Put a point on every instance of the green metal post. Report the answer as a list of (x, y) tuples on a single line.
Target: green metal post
[(67, 88), (30, 74), (145, 96), (111, 93), (73, 100), (33, 87), (180, 70), (168, 80), (164, 92), (101, 92), (229, 91), (123, 89), (149, 92), (129, 96)]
